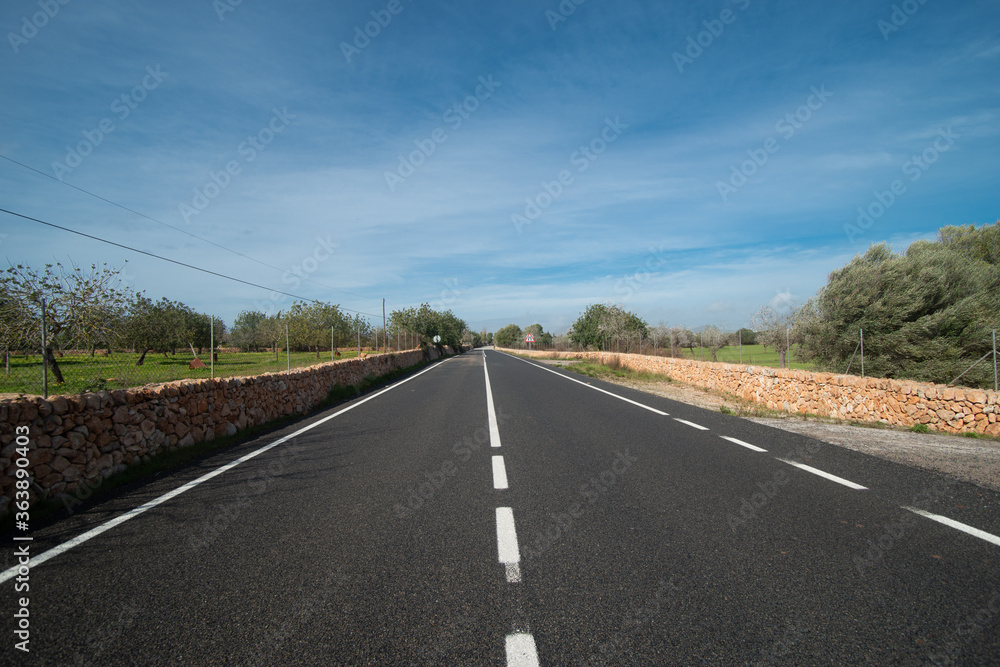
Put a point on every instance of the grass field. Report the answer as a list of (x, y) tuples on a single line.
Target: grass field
[(752, 354), (83, 373)]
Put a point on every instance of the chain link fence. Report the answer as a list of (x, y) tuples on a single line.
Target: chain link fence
[(74, 365)]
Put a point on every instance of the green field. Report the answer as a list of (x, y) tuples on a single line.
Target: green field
[(85, 373), (752, 354)]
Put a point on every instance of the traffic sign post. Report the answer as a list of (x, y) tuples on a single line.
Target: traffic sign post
[(529, 339)]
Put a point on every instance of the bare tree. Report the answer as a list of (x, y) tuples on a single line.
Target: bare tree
[(82, 308), (773, 328), (715, 339)]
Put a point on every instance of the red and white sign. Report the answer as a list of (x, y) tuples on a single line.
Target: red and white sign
[(529, 339)]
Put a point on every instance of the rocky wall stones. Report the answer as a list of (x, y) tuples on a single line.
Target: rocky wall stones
[(77, 441), (894, 402)]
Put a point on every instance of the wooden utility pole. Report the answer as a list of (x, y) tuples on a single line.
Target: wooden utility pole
[(385, 338)]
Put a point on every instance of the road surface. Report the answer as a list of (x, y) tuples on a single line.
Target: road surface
[(492, 511)]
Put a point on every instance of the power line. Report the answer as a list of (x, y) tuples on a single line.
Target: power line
[(165, 224), (173, 261)]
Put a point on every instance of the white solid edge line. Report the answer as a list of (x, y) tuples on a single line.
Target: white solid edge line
[(957, 525), (131, 514), (692, 424), (499, 473), (521, 651), (832, 478), (742, 444), (603, 391), (491, 412), (507, 549)]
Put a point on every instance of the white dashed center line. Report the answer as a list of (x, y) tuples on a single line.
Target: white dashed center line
[(691, 424), (743, 444), (499, 473), (521, 650), (957, 525), (508, 552), (833, 478), (490, 410)]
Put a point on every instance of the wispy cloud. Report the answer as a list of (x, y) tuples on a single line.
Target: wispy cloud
[(355, 119)]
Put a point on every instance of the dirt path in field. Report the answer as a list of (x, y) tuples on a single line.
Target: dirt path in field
[(975, 460)]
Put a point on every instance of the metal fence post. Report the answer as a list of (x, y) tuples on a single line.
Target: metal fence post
[(45, 358), (288, 357), (211, 342), (995, 360), (862, 353)]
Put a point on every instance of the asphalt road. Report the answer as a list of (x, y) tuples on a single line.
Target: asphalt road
[(492, 511)]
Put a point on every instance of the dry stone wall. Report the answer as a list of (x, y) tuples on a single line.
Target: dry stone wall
[(77, 441), (894, 402)]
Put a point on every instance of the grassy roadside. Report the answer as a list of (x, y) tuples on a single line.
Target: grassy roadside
[(50, 510), (119, 371)]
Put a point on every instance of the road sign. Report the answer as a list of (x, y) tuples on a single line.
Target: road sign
[(529, 339)]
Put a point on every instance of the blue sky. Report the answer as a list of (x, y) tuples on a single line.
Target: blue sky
[(513, 162)]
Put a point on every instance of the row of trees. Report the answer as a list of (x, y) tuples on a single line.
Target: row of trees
[(312, 326), (93, 309), (512, 335)]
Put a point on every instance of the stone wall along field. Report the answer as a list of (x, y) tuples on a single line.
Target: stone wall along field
[(77, 441), (893, 402)]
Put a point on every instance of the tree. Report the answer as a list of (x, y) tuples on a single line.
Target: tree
[(430, 323), (927, 314), (746, 336), (247, 333), (586, 331), (601, 322), (508, 336), (81, 308), (714, 339), (541, 336), (773, 328)]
